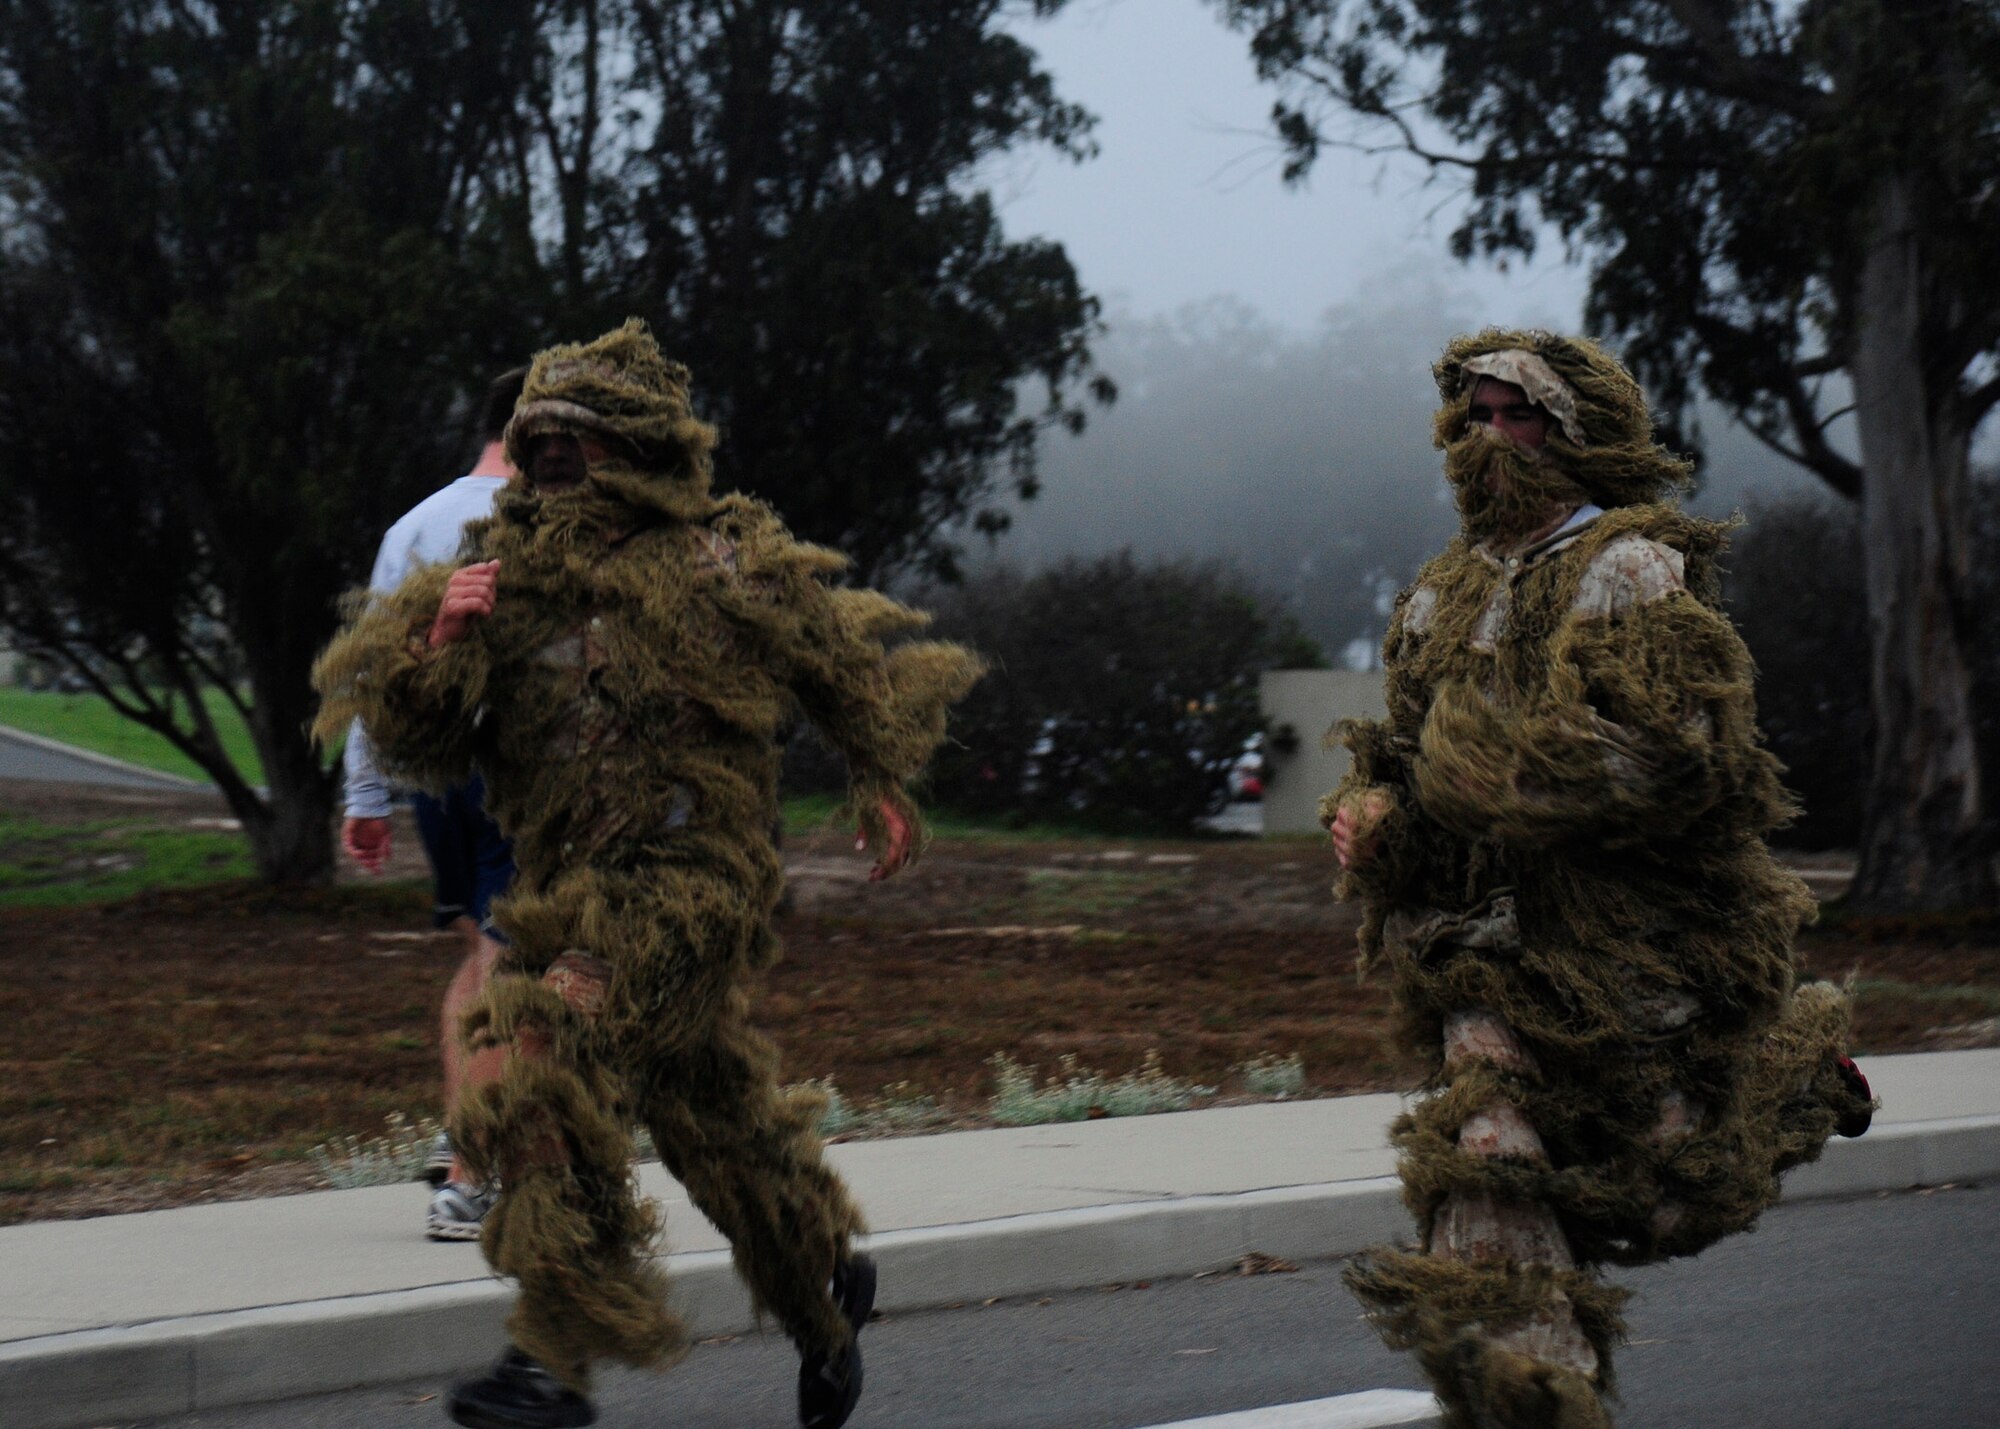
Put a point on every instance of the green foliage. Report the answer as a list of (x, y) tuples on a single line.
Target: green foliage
[(89, 722), (786, 192), (397, 1154), (256, 262), (1078, 1093), (1121, 694), (1269, 1075), (235, 316), (1796, 592)]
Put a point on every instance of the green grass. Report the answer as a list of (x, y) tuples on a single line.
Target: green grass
[(1062, 895), (44, 865), (1962, 999), (90, 723), (810, 813)]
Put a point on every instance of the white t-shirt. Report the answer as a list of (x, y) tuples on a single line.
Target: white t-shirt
[(428, 533)]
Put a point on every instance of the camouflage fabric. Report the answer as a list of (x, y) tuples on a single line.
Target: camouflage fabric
[(1566, 807), (622, 702)]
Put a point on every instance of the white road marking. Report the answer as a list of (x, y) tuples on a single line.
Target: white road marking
[(1368, 1410)]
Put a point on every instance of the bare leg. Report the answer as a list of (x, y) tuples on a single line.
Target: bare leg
[(1482, 1226), (464, 1068)]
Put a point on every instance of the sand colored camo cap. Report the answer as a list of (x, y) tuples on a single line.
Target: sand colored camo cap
[(1534, 377), (621, 387)]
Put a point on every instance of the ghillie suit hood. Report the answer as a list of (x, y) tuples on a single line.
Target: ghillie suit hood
[(623, 702), (1574, 799), (621, 390), (1600, 446)]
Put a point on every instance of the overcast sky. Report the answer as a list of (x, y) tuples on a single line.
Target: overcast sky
[(1186, 202), (1272, 344)]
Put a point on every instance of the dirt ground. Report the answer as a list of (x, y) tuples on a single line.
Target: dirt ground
[(197, 1045)]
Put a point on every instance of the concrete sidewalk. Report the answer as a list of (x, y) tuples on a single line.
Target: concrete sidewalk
[(129, 1317)]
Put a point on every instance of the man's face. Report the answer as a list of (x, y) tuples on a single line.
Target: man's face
[(559, 461), (1500, 468), (1504, 408)]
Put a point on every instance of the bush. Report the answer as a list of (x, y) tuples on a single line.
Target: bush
[(1079, 1093), (1798, 593), (1121, 694)]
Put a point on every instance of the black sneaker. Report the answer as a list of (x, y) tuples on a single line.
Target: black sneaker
[(518, 1394), (828, 1389), (1855, 1120)]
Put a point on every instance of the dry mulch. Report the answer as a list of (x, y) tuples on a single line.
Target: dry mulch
[(196, 1045)]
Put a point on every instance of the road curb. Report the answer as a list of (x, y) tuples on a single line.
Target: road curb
[(178, 1366)]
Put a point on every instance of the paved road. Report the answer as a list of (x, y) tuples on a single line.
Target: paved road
[(1869, 1314), (24, 756)]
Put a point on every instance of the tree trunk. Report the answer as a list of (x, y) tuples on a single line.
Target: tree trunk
[(291, 829), (290, 825), (1923, 842)]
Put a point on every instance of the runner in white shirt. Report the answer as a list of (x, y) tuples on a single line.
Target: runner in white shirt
[(471, 861)]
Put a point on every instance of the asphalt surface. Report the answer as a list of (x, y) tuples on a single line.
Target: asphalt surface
[(1876, 1313), (47, 762)]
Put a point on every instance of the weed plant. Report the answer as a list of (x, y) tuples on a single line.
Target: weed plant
[(1077, 1093), (1269, 1075), (396, 1155)]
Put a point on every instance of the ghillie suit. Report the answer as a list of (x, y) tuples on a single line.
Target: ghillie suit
[(1564, 814), (647, 642)]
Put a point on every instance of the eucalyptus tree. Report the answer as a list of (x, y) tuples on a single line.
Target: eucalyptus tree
[(1786, 203)]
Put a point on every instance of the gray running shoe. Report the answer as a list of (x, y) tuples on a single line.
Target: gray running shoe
[(457, 1209), (437, 1163)]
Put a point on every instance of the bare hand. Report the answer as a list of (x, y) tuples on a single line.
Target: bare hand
[(367, 842), (898, 852), (1355, 833), (468, 596)]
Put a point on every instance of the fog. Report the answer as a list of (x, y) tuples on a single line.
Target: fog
[(1285, 429), (1300, 454)]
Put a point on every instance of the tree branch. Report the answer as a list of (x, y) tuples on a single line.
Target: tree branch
[(1718, 66), (1782, 381)]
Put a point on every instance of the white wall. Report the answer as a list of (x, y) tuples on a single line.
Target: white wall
[(1309, 702)]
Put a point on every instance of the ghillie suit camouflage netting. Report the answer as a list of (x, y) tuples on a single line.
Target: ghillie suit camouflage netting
[(622, 701), (1590, 943)]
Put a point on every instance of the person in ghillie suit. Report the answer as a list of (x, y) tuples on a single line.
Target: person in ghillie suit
[(616, 654), (1557, 835)]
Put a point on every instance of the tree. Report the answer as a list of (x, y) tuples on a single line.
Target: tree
[(781, 187), (236, 308), (1122, 693), (1782, 203), (256, 257)]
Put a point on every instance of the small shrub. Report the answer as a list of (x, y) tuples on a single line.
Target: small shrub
[(396, 1155), (839, 1118), (1077, 1092), (899, 1110), (1269, 1075), (1121, 694)]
